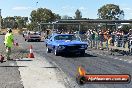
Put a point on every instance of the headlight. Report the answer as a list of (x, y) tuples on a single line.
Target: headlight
[(61, 47), (84, 46)]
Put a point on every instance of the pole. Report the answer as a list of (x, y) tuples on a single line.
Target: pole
[(53, 26), (79, 27), (36, 4), (0, 20), (40, 28), (116, 26), (107, 39), (79, 32)]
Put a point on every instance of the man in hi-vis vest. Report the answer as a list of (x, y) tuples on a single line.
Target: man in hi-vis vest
[(9, 41)]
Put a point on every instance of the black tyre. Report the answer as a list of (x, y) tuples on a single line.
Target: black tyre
[(82, 53), (27, 40), (56, 53), (39, 40), (48, 50)]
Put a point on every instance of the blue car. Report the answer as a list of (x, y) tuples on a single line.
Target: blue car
[(65, 44)]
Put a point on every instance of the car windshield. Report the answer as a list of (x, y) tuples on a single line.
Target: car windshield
[(65, 37), (33, 33)]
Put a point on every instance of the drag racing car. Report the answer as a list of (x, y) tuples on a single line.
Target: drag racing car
[(32, 36), (61, 44)]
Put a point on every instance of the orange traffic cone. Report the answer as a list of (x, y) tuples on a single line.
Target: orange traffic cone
[(1, 58), (31, 55)]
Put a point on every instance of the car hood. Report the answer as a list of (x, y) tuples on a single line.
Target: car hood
[(69, 42)]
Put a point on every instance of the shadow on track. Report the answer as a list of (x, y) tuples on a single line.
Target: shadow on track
[(13, 66), (23, 60), (49, 67), (76, 56)]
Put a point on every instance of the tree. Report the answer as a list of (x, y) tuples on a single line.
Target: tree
[(14, 22), (78, 14), (42, 15), (20, 21), (66, 17), (57, 17), (110, 12), (125, 28), (8, 22)]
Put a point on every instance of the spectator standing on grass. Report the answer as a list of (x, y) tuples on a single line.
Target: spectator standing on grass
[(96, 39), (9, 41), (101, 37), (130, 39)]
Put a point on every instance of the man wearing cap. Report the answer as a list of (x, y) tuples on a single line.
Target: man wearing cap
[(9, 41)]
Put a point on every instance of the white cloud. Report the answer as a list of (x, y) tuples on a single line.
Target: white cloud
[(21, 8), (127, 8), (82, 8), (130, 13), (68, 7)]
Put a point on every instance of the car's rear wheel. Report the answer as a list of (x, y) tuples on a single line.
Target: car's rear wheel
[(48, 50)]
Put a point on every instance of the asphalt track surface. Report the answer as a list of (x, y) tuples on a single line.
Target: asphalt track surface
[(93, 64), (9, 73)]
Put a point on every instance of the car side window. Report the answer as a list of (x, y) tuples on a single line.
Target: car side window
[(56, 38)]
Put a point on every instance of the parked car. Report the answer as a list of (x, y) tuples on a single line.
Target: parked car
[(65, 43), (32, 36)]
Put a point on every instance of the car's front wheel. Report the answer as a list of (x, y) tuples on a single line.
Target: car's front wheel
[(56, 53), (82, 53), (28, 40), (39, 40)]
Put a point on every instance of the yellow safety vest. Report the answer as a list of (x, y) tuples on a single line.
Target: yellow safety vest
[(9, 40)]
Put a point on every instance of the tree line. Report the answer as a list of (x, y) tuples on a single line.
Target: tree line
[(14, 22), (44, 15)]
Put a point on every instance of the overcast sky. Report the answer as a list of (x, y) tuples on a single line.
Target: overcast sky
[(88, 8)]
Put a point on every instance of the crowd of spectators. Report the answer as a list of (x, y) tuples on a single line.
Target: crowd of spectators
[(97, 38)]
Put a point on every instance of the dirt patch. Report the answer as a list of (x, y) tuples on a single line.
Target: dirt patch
[(15, 31)]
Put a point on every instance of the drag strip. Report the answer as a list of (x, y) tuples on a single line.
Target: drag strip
[(92, 63)]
